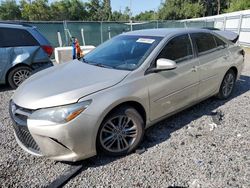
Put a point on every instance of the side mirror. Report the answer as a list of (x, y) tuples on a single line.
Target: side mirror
[(165, 64)]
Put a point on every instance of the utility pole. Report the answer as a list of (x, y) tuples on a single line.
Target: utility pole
[(218, 8), (154, 15), (130, 8), (130, 14)]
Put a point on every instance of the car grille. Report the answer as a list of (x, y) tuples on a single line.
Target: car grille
[(19, 116)]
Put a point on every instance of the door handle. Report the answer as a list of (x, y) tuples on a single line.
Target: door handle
[(195, 69)]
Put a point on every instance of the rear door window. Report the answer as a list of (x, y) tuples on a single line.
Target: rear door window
[(12, 37), (204, 41), (178, 49), (219, 43)]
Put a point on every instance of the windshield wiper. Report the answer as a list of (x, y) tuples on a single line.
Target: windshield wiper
[(97, 64), (84, 60), (104, 66)]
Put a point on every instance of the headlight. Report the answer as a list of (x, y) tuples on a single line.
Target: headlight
[(61, 114)]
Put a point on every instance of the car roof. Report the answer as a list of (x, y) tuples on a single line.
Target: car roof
[(163, 32), (14, 25)]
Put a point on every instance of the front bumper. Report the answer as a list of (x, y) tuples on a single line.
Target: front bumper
[(72, 141)]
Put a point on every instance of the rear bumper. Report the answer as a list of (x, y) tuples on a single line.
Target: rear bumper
[(41, 66)]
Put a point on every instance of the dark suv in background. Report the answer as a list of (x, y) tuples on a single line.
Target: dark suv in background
[(23, 51)]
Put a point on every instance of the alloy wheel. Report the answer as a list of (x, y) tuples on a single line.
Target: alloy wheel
[(118, 134), (228, 84), (20, 75)]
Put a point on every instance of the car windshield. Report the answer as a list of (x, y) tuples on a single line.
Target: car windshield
[(123, 52)]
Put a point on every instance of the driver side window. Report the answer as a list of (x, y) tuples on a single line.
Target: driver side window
[(177, 49)]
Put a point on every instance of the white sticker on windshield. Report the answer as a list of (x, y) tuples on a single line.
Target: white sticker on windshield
[(144, 40)]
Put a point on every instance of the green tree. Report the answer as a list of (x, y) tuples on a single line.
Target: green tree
[(146, 16), (36, 10), (59, 10), (183, 9), (180, 9), (99, 10), (68, 10), (9, 10), (191, 10), (121, 16), (116, 16), (236, 5), (213, 7), (126, 14), (107, 10), (95, 11)]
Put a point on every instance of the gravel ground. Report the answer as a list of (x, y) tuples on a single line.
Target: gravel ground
[(186, 150)]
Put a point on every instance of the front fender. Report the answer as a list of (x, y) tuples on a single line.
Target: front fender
[(105, 101)]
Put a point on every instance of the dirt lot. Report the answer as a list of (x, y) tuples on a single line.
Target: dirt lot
[(186, 150)]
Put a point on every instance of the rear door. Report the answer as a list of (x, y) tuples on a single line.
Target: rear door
[(22, 42), (212, 58), (173, 89), (3, 62), (4, 51)]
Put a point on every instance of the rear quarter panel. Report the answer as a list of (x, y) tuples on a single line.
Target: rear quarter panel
[(20, 55), (237, 59), (234, 60), (40, 56)]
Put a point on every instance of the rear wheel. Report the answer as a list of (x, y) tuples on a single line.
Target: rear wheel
[(121, 132), (227, 85), (18, 75)]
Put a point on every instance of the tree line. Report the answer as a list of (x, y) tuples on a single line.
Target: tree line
[(100, 10)]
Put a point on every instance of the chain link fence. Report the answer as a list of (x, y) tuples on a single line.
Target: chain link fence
[(94, 33)]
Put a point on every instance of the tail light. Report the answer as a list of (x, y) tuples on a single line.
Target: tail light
[(48, 50)]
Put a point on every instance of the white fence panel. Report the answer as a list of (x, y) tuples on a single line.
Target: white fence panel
[(246, 22), (219, 24), (232, 23), (244, 38)]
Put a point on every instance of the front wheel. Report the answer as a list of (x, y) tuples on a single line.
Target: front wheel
[(121, 132), (227, 85)]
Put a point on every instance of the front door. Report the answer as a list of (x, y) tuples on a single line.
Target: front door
[(171, 90)]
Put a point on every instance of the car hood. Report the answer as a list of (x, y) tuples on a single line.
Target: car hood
[(65, 84)]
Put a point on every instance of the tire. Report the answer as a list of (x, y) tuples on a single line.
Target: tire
[(17, 75), (116, 141), (227, 85)]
